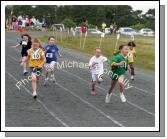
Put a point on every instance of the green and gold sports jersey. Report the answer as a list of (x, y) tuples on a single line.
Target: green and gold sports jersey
[(118, 70)]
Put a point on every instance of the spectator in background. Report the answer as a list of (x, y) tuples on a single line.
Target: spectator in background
[(111, 28), (14, 20), (7, 25), (43, 24), (27, 22), (103, 26), (97, 27), (20, 17), (114, 27), (83, 28), (23, 22), (19, 23), (33, 21), (86, 25)]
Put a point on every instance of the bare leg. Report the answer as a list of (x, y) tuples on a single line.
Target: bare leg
[(120, 82), (34, 82), (112, 85), (121, 85)]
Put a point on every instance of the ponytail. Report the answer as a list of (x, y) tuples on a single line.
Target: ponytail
[(118, 51)]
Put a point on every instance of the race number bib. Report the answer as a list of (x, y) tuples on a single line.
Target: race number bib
[(24, 43), (35, 56), (49, 55), (130, 55)]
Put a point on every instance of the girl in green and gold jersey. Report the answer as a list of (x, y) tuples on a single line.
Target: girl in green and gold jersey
[(119, 65)]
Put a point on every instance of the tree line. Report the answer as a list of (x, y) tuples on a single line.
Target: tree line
[(122, 15)]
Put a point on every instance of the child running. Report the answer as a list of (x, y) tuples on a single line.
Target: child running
[(132, 57), (26, 45), (119, 64), (51, 51), (36, 58), (96, 67)]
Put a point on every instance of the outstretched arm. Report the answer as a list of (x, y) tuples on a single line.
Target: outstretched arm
[(15, 46)]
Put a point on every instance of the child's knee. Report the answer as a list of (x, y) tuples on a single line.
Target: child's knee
[(120, 80), (34, 78)]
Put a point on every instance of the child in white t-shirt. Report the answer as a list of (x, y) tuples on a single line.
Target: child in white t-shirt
[(96, 67)]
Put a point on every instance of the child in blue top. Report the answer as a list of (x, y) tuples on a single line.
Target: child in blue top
[(51, 52)]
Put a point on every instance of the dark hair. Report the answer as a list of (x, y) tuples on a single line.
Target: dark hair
[(51, 37), (131, 43), (120, 48), (29, 38)]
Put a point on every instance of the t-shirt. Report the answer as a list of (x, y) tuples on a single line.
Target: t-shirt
[(119, 70), (25, 46), (51, 53), (131, 57), (23, 23), (19, 23), (14, 19), (98, 67)]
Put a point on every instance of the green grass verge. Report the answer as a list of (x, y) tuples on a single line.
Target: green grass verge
[(145, 47)]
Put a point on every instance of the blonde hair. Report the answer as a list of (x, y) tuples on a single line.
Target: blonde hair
[(99, 49), (36, 40)]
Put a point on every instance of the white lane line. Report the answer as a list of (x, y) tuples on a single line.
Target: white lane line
[(86, 102), (143, 90), (137, 88), (44, 106), (92, 106), (129, 102)]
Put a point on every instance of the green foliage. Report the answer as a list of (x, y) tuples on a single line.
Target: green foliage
[(138, 26), (68, 23), (145, 47), (92, 26), (123, 15)]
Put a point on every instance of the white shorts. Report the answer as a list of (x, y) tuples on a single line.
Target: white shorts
[(97, 76), (50, 66)]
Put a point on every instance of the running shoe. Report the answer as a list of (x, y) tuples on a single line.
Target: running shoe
[(122, 96), (108, 97), (93, 93), (132, 77), (25, 72), (34, 94), (46, 81), (52, 78)]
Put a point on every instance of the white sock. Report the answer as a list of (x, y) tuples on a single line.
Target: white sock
[(52, 75), (25, 69)]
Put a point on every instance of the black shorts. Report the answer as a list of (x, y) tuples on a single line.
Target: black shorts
[(24, 54)]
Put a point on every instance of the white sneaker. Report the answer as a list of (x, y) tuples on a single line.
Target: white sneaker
[(108, 97), (25, 72), (122, 96), (52, 78), (132, 77), (46, 81), (34, 94)]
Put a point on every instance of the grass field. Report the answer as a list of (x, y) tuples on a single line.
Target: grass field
[(145, 47)]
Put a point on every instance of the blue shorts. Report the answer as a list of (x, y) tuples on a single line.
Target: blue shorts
[(38, 71)]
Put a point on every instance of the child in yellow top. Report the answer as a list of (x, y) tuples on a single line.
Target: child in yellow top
[(36, 59), (132, 57)]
